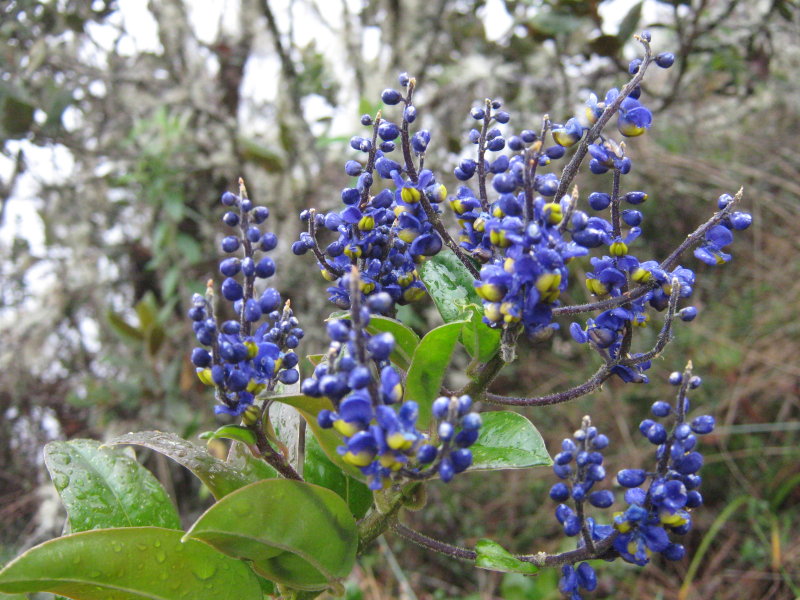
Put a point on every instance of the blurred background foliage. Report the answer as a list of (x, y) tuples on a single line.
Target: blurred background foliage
[(122, 122)]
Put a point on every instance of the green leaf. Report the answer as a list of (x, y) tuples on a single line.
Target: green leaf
[(480, 340), (103, 487), (406, 340), (155, 339), (426, 373), (16, 116), (253, 469), (133, 563), (266, 158), (605, 45), (450, 285), (549, 24), (315, 359), (147, 310), (175, 208), (122, 328), (56, 101), (368, 106), (325, 141), (629, 23), (190, 249), (294, 533), (328, 439), (508, 441), (319, 469), (231, 432), (494, 557), (220, 478)]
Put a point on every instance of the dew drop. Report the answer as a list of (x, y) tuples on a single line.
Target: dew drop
[(160, 556), (205, 571)]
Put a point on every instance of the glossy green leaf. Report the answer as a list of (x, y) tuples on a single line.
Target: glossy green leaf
[(253, 469), (480, 340), (508, 441), (239, 433), (219, 477), (406, 340), (450, 285), (328, 439), (319, 469), (103, 487), (294, 533), (133, 563), (494, 557), (426, 373)]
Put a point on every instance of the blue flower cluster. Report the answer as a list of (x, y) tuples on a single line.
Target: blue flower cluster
[(518, 236), (379, 429), (521, 236), (664, 508), (653, 514), (580, 466), (526, 236), (614, 274), (237, 360), (385, 232)]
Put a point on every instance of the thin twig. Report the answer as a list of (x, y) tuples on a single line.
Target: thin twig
[(603, 373), (571, 169), (541, 559)]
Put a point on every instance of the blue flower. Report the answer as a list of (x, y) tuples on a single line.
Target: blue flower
[(634, 119), (711, 251), (568, 134)]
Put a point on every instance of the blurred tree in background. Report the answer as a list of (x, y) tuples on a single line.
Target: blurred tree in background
[(123, 122)]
